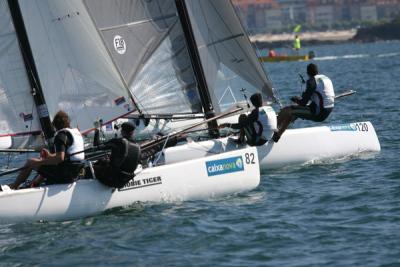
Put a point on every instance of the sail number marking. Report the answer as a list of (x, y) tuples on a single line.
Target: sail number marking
[(249, 158), (119, 44), (362, 127)]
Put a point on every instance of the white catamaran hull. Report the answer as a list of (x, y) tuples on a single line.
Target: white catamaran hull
[(214, 176), (296, 146)]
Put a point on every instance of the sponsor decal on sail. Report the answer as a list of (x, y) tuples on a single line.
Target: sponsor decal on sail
[(134, 184), (109, 127), (127, 107), (26, 117), (223, 166), (119, 100)]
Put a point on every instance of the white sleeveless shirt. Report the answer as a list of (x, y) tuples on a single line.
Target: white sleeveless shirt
[(267, 118), (325, 93), (77, 144)]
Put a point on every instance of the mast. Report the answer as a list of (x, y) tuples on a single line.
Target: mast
[(197, 67), (27, 55)]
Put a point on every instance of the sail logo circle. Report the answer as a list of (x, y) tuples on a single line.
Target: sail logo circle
[(239, 163), (119, 44)]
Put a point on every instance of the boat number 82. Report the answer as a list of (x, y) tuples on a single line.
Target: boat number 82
[(249, 158)]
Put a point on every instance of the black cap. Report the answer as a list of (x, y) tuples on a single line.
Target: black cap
[(128, 127)]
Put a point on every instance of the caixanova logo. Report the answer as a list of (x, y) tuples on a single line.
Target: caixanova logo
[(222, 166)]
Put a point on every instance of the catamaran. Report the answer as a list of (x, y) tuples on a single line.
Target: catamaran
[(210, 177), (225, 63), (161, 63), (58, 55)]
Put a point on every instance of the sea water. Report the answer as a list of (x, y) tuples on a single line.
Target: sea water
[(343, 212)]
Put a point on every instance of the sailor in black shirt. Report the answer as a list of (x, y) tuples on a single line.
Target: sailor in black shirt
[(119, 168)]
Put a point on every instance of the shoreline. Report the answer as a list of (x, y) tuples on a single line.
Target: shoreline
[(269, 40)]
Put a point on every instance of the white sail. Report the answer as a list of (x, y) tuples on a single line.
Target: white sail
[(18, 117), (75, 70), (146, 42), (227, 56)]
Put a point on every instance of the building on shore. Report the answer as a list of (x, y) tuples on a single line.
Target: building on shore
[(281, 15)]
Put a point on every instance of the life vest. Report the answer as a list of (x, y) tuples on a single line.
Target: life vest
[(263, 128), (76, 146), (296, 43), (324, 95), (130, 158)]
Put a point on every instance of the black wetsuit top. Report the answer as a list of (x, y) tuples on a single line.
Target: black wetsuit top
[(311, 87), (124, 159), (62, 141)]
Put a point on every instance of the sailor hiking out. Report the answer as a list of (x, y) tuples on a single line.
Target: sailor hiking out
[(119, 168), (257, 127), (319, 92), (61, 166)]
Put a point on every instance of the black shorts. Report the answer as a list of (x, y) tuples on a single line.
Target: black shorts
[(65, 172), (310, 113), (110, 176)]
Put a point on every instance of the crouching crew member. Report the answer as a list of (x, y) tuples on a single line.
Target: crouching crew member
[(257, 127), (119, 168)]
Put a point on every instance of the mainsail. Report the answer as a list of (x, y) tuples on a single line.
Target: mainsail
[(18, 116), (102, 59), (75, 70), (146, 42), (228, 59)]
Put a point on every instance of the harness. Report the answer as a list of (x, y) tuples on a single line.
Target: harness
[(130, 161), (130, 158), (254, 132)]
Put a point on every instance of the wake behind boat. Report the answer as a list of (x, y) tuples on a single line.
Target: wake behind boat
[(201, 178)]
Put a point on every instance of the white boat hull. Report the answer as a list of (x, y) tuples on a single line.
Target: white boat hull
[(194, 179), (297, 146)]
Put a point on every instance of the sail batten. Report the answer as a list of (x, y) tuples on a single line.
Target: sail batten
[(222, 40), (137, 22)]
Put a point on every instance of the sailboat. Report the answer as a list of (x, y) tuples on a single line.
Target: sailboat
[(285, 57), (180, 60), (223, 50), (56, 56)]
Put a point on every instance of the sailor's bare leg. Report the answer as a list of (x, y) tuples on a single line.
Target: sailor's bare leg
[(38, 179), (284, 118), (24, 174)]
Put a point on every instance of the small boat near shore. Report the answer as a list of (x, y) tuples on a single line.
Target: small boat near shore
[(279, 58), (201, 178)]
